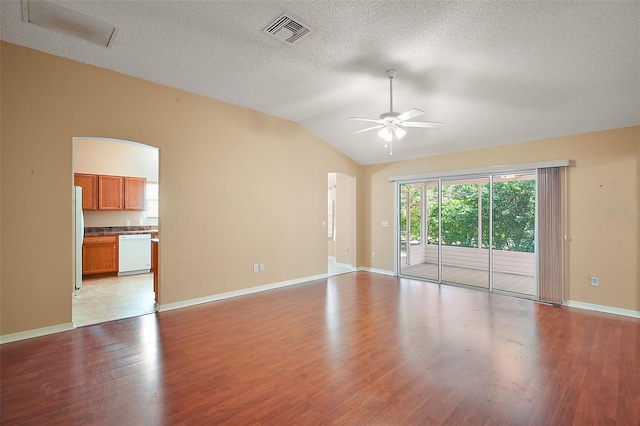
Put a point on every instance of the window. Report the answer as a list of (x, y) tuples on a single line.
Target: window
[(152, 199)]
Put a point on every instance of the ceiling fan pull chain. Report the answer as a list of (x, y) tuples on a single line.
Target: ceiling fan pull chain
[(391, 146)]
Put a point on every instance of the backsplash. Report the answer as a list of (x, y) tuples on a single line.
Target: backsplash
[(91, 231), (98, 218)]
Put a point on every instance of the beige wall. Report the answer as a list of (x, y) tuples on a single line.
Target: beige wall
[(603, 177), (233, 182)]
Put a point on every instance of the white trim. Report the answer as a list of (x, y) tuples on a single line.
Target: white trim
[(480, 170), (235, 293), (143, 145), (345, 265), (377, 271), (29, 334), (396, 228), (601, 308)]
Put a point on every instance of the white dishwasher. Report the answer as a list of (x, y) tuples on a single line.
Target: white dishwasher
[(134, 254)]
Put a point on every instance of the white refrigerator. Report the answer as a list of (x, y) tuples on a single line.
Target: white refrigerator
[(78, 235)]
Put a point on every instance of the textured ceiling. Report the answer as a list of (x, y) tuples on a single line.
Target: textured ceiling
[(495, 72)]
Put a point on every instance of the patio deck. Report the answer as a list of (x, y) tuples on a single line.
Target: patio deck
[(515, 283)]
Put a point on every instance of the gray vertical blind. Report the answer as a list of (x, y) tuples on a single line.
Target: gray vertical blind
[(550, 232)]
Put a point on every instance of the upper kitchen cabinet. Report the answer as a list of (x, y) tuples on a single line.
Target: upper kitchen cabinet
[(89, 184), (101, 192), (110, 192), (134, 189)]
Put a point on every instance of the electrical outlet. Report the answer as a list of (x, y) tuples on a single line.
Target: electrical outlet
[(140, 221), (261, 267), (373, 254), (127, 222), (346, 250), (595, 281), (255, 267)]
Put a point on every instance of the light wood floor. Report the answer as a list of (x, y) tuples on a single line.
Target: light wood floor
[(110, 298), (357, 348)]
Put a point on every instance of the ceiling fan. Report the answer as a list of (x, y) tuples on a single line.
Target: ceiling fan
[(391, 123)]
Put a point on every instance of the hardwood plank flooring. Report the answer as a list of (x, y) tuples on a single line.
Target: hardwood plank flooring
[(357, 348)]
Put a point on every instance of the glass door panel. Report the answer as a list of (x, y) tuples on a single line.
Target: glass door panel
[(465, 231), (419, 230), (514, 202)]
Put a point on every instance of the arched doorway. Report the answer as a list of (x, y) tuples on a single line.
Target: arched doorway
[(120, 181)]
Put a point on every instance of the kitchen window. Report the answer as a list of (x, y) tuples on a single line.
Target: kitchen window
[(152, 199)]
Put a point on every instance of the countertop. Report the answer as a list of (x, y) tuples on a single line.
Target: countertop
[(104, 231)]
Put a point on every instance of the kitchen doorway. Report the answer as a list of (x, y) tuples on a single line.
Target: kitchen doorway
[(341, 223), (120, 187)]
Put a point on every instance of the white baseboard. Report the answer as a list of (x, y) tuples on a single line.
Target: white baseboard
[(345, 265), (14, 337), (377, 271), (601, 308), (236, 293)]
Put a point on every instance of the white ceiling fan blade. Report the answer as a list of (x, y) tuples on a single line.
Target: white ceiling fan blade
[(408, 115), (372, 120), (379, 126), (423, 124)]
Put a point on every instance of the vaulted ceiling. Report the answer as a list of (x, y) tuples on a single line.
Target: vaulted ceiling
[(496, 72)]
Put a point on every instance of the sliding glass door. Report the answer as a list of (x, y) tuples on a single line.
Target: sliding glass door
[(465, 225), (419, 230), (474, 231), (514, 219)]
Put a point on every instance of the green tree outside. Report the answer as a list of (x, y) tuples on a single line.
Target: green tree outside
[(513, 210)]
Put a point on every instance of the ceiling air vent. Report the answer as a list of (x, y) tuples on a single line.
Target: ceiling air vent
[(288, 30)]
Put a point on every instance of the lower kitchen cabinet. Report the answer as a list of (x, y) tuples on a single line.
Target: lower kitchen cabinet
[(100, 255)]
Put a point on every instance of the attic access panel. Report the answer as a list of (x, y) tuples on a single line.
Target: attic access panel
[(61, 19)]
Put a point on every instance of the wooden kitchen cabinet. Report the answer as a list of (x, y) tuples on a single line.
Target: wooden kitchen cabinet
[(134, 191), (89, 184), (102, 192), (99, 255), (110, 192)]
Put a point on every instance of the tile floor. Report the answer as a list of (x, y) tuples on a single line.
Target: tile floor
[(111, 298)]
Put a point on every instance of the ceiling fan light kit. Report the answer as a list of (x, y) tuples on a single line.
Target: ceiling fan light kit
[(391, 123)]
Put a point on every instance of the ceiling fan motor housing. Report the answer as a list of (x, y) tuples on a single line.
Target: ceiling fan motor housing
[(389, 116)]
